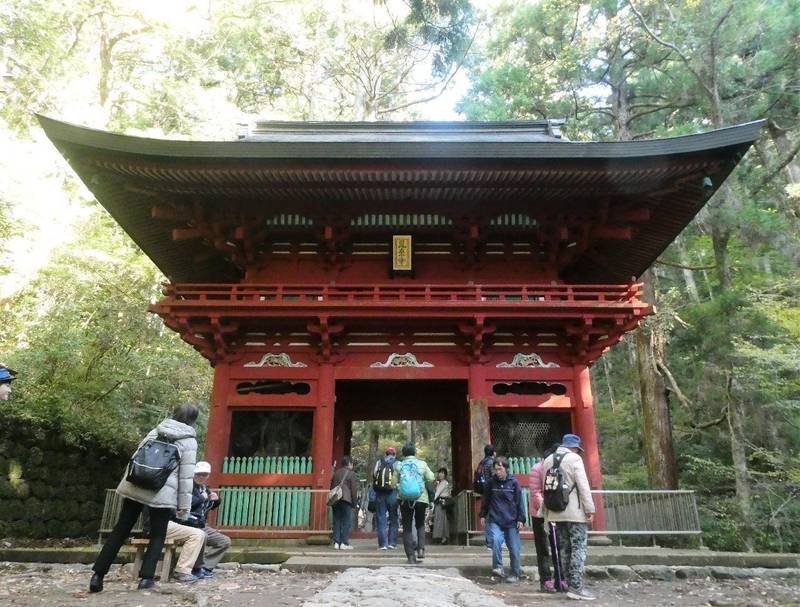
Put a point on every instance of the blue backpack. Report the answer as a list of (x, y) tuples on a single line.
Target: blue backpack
[(411, 485)]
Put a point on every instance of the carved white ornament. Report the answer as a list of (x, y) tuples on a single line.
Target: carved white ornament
[(528, 361), (275, 360), (400, 360)]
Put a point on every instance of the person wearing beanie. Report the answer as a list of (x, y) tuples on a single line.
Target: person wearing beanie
[(386, 499), (6, 377)]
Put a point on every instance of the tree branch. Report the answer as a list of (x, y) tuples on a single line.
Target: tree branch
[(673, 264), (672, 47), (777, 169)]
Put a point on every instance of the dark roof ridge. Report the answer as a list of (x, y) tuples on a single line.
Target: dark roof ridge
[(64, 132)]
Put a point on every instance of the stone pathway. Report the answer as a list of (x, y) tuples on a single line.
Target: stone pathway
[(403, 587)]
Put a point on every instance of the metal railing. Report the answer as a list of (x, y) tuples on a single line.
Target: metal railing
[(646, 513)]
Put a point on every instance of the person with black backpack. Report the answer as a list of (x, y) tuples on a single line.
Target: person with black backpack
[(568, 505), (159, 477), (483, 472), (383, 483)]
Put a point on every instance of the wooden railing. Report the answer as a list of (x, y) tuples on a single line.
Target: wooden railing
[(532, 294), (267, 465)]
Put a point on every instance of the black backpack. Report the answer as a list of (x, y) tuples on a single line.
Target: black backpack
[(556, 491), (481, 477), (383, 480), (152, 463)]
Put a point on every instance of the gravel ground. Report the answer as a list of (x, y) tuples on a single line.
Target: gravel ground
[(647, 593), (66, 585)]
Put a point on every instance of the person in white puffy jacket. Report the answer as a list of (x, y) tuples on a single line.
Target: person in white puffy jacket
[(176, 494), (572, 523)]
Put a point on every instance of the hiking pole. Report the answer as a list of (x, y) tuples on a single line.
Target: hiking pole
[(557, 571)]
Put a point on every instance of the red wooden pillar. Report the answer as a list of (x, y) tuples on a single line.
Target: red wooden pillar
[(584, 426), (322, 444), (322, 433), (219, 420), (218, 430)]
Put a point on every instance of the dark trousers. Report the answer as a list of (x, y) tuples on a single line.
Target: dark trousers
[(413, 515), (159, 517), (540, 539), (342, 522)]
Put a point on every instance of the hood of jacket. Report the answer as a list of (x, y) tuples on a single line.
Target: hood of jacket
[(175, 430)]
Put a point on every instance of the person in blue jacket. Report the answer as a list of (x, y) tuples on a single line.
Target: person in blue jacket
[(503, 512)]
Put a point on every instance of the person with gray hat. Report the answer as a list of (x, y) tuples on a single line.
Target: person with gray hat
[(571, 511), (204, 500), (6, 377)]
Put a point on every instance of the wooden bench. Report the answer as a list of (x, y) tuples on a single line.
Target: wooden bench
[(141, 545)]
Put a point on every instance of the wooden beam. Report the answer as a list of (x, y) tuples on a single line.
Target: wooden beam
[(166, 213), (610, 233), (186, 233), (640, 215)]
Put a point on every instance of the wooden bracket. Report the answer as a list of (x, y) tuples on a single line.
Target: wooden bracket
[(325, 330), (477, 333)]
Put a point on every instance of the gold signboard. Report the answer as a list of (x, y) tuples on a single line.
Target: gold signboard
[(402, 255)]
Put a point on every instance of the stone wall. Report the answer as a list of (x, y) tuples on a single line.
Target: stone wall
[(49, 488)]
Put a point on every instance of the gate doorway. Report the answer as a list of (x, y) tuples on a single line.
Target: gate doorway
[(423, 410)]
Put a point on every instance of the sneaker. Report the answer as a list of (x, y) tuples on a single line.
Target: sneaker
[(186, 578), (199, 574), (392, 547), (384, 548), (489, 548), (499, 572), (345, 547), (146, 583), (337, 546), (207, 572), (512, 579), (581, 594), (548, 586)]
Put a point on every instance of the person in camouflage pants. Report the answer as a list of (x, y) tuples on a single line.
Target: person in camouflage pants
[(572, 543), (572, 522)]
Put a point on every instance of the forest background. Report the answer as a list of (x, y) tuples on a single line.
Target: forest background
[(705, 395)]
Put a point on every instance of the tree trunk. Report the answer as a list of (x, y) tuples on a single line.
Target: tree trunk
[(656, 421), (688, 275), (374, 438), (739, 457), (607, 372), (719, 239)]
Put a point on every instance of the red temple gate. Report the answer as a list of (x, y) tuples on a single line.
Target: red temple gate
[(464, 272)]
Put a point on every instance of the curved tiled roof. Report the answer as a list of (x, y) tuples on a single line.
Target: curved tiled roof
[(488, 170)]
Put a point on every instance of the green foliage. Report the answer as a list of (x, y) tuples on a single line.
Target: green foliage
[(93, 363), (645, 68)]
